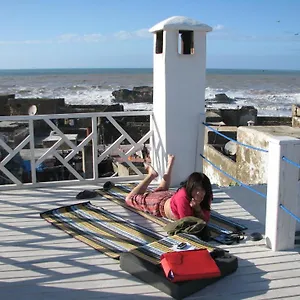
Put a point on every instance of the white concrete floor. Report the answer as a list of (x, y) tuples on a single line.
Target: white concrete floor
[(38, 261)]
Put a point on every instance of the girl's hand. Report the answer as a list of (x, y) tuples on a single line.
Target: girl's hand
[(193, 203), (197, 209)]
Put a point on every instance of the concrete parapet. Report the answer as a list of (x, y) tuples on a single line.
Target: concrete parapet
[(295, 110), (5, 111), (212, 137), (295, 115), (213, 154), (296, 122), (13, 132), (235, 117), (44, 106), (252, 164), (273, 121)]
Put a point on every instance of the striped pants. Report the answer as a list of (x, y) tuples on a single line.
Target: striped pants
[(151, 202)]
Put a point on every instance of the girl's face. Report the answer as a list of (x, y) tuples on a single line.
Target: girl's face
[(198, 195)]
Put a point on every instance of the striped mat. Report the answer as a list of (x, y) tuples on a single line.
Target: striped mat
[(218, 225), (111, 234), (152, 251)]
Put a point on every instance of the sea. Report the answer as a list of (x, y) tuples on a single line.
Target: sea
[(271, 92)]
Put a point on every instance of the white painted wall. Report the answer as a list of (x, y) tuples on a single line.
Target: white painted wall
[(179, 104)]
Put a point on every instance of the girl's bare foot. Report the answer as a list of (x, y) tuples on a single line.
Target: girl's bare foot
[(150, 170)]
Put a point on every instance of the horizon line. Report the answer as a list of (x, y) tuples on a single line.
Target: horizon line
[(134, 68)]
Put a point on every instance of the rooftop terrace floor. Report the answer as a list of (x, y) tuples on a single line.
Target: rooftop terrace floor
[(38, 261)]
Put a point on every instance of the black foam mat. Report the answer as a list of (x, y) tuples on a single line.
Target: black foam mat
[(154, 275)]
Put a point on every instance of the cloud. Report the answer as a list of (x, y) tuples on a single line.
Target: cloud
[(137, 34), (28, 42), (143, 33), (93, 38), (229, 34), (241, 37), (85, 38), (220, 32), (123, 35), (68, 38), (218, 27), (37, 42), (76, 38)]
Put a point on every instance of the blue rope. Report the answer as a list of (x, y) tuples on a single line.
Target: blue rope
[(290, 162), (234, 179), (290, 213), (230, 139)]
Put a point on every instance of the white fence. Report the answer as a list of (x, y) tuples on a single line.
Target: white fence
[(99, 152)]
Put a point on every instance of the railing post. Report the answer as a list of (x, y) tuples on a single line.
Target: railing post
[(32, 149), (283, 188), (95, 147)]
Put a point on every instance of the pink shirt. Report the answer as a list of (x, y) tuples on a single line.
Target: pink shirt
[(180, 206)]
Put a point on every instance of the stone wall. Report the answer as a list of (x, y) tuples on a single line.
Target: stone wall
[(44, 106), (252, 164), (234, 117), (85, 122), (295, 115), (5, 111), (223, 162), (212, 137), (13, 132), (273, 121), (136, 126)]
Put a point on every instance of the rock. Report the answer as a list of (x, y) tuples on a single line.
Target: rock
[(143, 89), (142, 94), (221, 98)]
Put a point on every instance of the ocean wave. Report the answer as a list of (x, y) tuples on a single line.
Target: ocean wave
[(24, 91), (77, 88), (267, 102)]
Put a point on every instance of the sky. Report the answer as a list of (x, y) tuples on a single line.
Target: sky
[(247, 34)]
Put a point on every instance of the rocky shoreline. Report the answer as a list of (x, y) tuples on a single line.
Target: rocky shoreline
[(144, 94)]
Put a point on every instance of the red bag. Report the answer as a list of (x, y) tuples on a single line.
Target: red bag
[(189, 265)]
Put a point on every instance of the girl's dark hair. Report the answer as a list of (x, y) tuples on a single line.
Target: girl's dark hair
[(199, 180)]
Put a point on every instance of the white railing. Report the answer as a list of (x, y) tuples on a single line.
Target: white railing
[(283, 189), (98, 152)]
